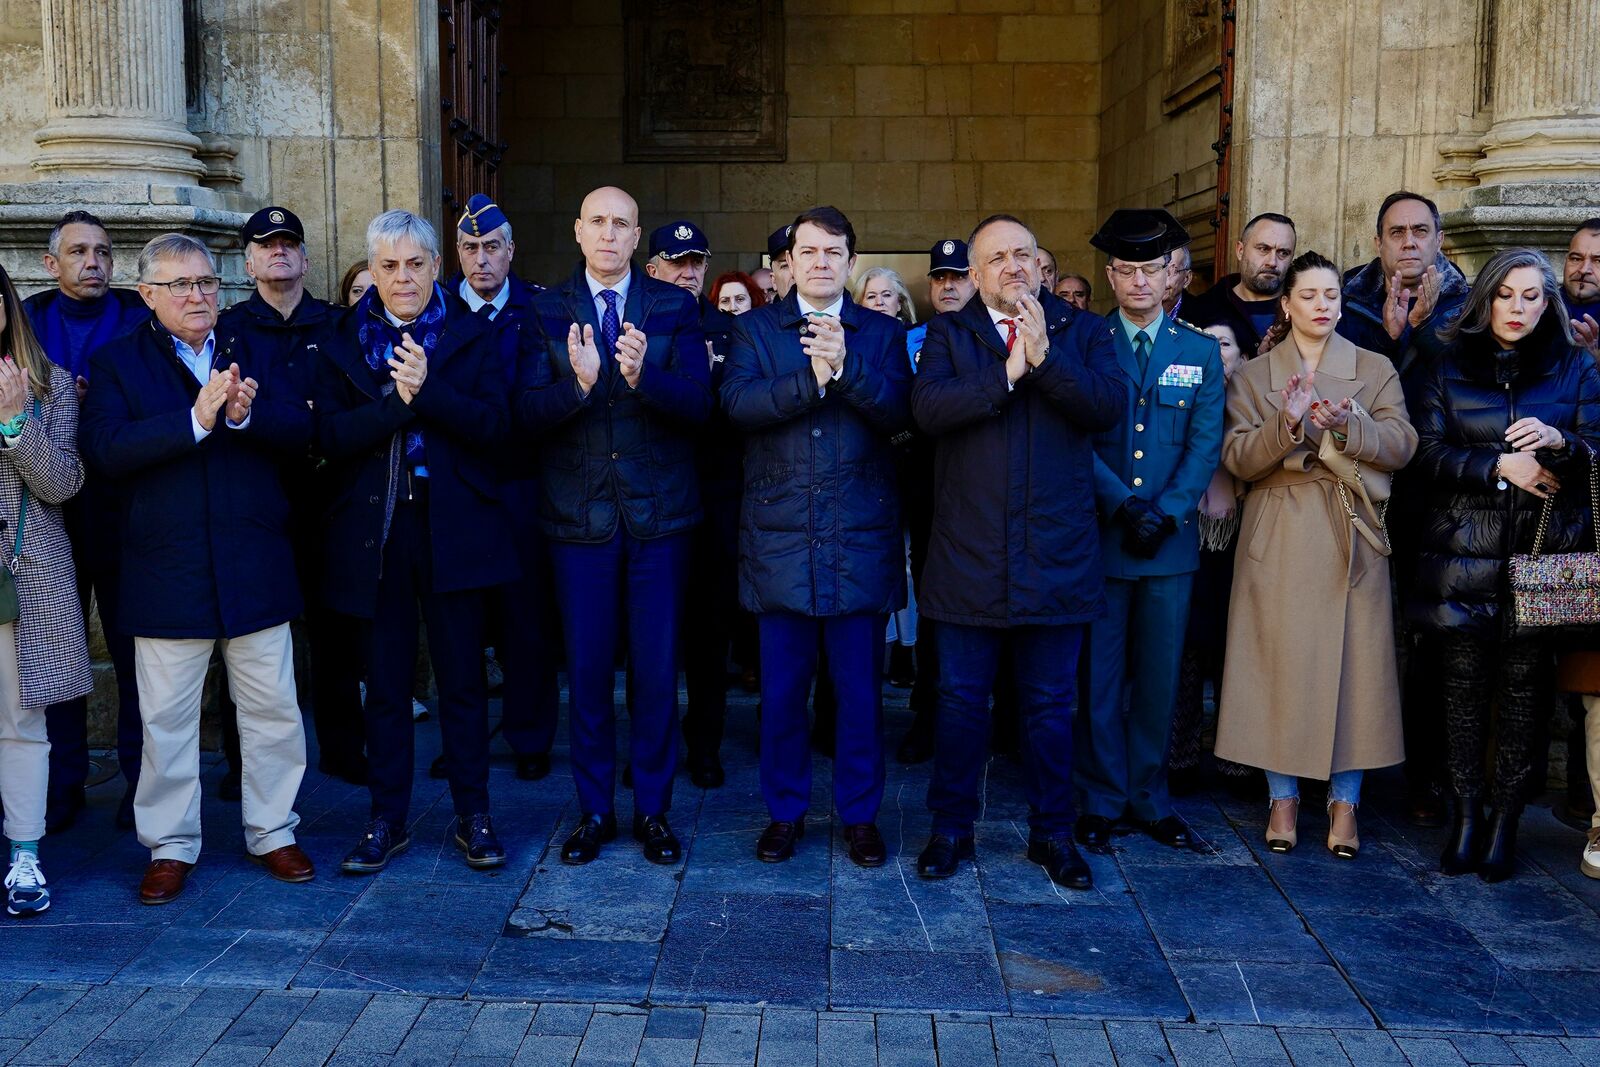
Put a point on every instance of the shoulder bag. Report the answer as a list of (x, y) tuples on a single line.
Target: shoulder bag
[(1561, 589)]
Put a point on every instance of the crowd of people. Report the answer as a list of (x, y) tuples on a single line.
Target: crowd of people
[(1055, 527)]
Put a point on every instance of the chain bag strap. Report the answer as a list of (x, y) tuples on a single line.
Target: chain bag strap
[(1561, 589)]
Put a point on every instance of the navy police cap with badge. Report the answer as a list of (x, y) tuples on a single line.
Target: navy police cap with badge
[(482, 216), (778, 242), (270, 222), (678, 239), (948, 255), (1138, 235)]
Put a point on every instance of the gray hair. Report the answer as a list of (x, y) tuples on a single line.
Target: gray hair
[(908, 311), (171, 246), (1474, 322), (83, 218), (391, 226)]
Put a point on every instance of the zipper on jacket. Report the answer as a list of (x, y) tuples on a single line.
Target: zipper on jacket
[(1509, 539)]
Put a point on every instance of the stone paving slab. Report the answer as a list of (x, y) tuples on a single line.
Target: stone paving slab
[(1173, 957)]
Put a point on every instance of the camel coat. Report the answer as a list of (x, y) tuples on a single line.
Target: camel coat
[(1310, 686)]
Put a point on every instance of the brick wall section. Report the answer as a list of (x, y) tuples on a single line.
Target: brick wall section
[(915, 117)]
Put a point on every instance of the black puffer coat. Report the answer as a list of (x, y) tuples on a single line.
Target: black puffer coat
[(1470, 528)]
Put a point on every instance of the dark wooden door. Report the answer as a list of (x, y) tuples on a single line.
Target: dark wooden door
[(471, 77)]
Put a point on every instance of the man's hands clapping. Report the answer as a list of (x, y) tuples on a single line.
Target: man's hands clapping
[(823, 341), (408, 366)]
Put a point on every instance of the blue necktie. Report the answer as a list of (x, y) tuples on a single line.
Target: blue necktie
[(610, 327), (1141, 349)]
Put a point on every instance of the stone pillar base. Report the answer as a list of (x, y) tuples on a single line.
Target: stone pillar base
[(134, 212), (1538, 215)]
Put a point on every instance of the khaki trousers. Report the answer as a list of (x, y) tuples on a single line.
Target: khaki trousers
[(24, 749), (272, 740), (1591, 738)]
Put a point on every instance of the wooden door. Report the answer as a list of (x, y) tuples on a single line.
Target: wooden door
[(471, 78)]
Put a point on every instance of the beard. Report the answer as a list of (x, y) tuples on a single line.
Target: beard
[(1264, 283)]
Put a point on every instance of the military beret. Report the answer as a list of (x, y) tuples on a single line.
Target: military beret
[(481, 216), (677, 239), (1138, 235)]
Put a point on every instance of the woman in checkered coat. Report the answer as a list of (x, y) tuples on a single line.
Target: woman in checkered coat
[(44, 658)]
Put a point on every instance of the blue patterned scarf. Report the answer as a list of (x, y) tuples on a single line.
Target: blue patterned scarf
[(379, 338)]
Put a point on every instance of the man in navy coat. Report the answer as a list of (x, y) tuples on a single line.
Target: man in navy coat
[(618, 393), (195, 428), (819, 385), (1011, 387), (1149, 471), (71, 321), (520, 613), (412, 407)]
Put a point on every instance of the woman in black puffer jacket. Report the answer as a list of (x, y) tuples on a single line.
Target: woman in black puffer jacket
[(1506, 420)]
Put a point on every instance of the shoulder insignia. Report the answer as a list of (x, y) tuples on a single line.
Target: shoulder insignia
[(1191, 326)]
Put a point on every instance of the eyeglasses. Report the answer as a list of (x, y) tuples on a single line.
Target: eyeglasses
[(182, 287), (1149, 270)]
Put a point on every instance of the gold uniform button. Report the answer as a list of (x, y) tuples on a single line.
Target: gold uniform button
[(1138, 453), (1183, 403), (1138, 427)]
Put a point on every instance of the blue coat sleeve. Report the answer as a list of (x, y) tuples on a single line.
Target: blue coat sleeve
[(881, 393), (1110, 492), (470, 404), (681, 388), (754, 401), (943, 400), (1079, 375), (1202, 448), (545, 399), (344, 429), (114, 441)]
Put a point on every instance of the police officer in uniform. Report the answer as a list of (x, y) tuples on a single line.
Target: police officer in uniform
[(1150, 470), (520, 615), (287, 325)]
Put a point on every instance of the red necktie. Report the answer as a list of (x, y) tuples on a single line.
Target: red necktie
[(1011, 333)]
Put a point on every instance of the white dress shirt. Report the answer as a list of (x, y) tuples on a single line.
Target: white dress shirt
[(621, 289), (832, 311)]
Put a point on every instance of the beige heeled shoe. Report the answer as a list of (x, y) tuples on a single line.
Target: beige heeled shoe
[(1343, 847), (1283, 840)]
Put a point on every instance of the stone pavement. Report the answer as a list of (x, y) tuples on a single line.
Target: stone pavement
[(1241, 956)]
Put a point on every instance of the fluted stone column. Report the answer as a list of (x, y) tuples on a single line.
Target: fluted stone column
[(1546, 93), (116, 110)]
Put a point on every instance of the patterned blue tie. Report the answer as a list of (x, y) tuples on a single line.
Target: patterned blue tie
[(610, 326)]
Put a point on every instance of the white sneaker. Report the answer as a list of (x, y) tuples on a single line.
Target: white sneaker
[(419, 710), (26, 893), (1590, 863)]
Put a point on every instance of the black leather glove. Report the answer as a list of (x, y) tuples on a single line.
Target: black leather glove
[(1147, 547), (1139, 518)]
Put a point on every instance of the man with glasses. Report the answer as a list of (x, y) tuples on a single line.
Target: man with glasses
[(195, 427), (1149, 472)]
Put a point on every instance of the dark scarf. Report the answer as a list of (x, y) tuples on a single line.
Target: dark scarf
[(379, 337), (71, 329)]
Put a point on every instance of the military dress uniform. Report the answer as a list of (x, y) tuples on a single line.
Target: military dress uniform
[(1163, 451)]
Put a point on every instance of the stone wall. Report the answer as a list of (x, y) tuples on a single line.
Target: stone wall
[(1148, 156), (1339, 105), (915, 117)]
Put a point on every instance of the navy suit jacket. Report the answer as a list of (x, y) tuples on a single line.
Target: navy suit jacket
[(619, 455), (204, 526)]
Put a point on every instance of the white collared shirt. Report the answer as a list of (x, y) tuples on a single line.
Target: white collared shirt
[(476, 302), (1000, 318), (832, 311), (621, 289), (199, 364)]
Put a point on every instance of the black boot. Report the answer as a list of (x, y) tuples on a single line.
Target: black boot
[(1500, 851), (1463, 846)]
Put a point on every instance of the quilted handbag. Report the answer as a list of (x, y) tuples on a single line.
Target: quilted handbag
[(1563, 589)]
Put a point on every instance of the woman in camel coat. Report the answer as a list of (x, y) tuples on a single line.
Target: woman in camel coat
[(1310, 688)]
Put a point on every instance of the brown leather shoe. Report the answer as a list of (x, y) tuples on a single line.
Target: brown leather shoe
[(163, 881), (287, 864), (777, 840), (866, 845)]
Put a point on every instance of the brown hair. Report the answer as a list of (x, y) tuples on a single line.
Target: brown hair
[(758, 298), (351, 273), (18, 341)]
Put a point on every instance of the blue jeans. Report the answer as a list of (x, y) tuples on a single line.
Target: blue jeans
[(1344, 787), (1044, 664)]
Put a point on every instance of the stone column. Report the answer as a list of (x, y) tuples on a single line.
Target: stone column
[(116, 110), (1546, 93)]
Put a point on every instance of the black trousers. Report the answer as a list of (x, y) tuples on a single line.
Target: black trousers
[(1518, 674), (455, 627), (710, 615)]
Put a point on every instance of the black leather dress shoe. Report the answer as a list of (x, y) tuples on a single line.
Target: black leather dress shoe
[(583, 844), (705, 770), (534, 767), (380, 842), (942, 856), (1093, 831), (777, 840), (475, 837), (660, 843), (866, 845), (1171, 831), (1061, 861)]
